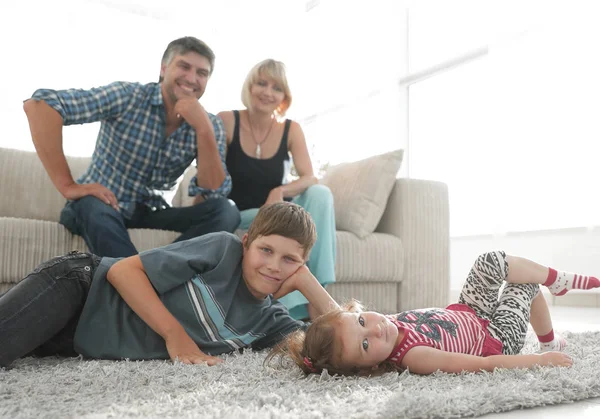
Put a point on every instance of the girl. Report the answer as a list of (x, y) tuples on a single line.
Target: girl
[(261, 144), (483, 331)]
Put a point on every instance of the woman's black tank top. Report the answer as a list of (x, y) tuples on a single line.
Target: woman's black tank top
[(252, 179)]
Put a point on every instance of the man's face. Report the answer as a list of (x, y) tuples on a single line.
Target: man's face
[(186, 75), (268, 262)]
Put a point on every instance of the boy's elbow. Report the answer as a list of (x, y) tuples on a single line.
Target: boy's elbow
[(114, 272)]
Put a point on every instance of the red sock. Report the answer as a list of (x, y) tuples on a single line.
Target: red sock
[(551, 342), (559, 283), (546, 338)]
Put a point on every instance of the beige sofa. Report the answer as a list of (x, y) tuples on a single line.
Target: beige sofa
[(403, 264)]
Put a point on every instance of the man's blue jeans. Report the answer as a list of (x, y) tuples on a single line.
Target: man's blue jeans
[(105, 230), (39, 315)]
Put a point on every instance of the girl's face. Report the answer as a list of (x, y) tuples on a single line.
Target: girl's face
[(266, 95), (367, 339)]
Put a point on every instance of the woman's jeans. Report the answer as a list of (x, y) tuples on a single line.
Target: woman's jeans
[(39, 315)]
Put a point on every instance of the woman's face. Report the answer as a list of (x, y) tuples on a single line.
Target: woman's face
[(266, 95)]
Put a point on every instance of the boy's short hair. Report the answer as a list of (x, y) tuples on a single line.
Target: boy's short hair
[(284, 219)]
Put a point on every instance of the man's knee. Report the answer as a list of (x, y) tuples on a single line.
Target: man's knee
[(90, 209), (225, 214)]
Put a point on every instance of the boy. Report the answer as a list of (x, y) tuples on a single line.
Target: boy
[(190, 300)]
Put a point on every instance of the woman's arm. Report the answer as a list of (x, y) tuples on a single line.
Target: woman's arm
[(131, 282), (426, 360), (228, 123), (299, 150)]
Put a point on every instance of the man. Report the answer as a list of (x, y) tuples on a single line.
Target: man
[(149, 135)]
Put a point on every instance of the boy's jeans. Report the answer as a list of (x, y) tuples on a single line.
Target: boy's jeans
[(38, 316)]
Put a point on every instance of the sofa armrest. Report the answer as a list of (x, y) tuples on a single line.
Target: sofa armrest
[(418, 212)]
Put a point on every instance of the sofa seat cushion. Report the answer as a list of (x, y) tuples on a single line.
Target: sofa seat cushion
[(378, 257), (25, 243)]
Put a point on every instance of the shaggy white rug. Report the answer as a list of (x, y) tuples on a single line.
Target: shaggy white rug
[(243, 387)]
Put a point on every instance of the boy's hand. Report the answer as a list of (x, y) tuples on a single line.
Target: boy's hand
[(556, 359), (293, 283), (181, 346)]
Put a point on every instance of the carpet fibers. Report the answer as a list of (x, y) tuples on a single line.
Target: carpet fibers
[(242, 387)]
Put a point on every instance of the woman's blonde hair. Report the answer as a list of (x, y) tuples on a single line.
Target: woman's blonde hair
[(318, 348), (274, 70)]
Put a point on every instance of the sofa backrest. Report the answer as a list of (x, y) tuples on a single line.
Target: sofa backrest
[(181, 198), (26, 190)]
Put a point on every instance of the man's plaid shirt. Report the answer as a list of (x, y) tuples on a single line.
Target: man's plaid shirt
[(133, 157)]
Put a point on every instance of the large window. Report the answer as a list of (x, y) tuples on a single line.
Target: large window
[(514, 133)]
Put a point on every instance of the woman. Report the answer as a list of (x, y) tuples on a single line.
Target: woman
[(259, 144)]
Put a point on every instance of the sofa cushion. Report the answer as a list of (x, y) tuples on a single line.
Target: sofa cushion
[(26, 188), (361, 189), (24, 244), (378, 257)]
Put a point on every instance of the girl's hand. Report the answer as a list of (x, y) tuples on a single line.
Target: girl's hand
[(556, 359), (181, 347)]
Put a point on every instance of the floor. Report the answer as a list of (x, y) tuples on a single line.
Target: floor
[(576, 319)]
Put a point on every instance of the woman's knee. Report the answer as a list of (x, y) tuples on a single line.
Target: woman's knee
[(320, 192), (316, 196)]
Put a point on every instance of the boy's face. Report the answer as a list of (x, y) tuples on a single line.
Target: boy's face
[(268, 262)]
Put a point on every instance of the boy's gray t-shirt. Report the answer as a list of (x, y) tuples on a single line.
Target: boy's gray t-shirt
[(200, 282)]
